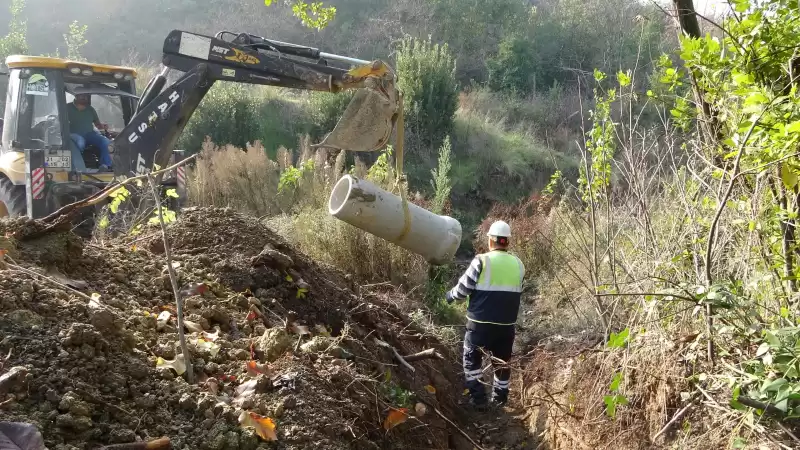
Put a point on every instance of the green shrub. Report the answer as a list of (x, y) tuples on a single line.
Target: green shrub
[(512, 69), (426, 74), (237, 115)]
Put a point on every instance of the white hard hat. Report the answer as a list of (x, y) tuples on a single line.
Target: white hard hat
[(499, 229)]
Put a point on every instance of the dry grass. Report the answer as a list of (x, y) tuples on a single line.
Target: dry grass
[(248, 181)]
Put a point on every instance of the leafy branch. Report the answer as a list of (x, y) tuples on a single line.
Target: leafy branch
[(312, 15)]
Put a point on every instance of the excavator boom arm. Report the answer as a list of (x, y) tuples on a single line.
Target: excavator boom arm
[(162, 114)]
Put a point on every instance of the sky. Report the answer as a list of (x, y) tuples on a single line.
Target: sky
[(705, 7)]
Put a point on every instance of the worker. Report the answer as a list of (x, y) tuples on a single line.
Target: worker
[(493, 282), (82, 120)]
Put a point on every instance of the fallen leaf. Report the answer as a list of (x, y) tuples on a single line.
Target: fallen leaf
[(193, 327), (244, 391), (212, 384), (298, 329), (178, 364), (210, 336), (133, 247), (430, 389), (251, 316), (190, 289), (265, 427), (301, 293), (164, 316), (254, 368), (95, 296), (420, 409), (395, 418), (465, 393), (207, 346)]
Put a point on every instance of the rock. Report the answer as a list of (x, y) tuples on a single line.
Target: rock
[(104, 320), (274, 343), (74, 404), (25, 318), (166, 373), (122, 436), (187, 402), (248, 440), (273, 259), (241, 301), (240, 354), (75, 423), (231, 440), (82, 333), (52, 396), (279, 409)]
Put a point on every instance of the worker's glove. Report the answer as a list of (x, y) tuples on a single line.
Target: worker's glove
[(448, 297)]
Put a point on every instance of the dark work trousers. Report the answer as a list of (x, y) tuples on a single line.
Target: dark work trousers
[(497, 341)]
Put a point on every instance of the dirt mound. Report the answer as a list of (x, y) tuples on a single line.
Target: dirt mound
[(275, 335)]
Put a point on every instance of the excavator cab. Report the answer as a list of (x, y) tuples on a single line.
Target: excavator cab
[(39, 92)]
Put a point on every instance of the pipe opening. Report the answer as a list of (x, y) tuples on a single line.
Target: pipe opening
[(340, 194)]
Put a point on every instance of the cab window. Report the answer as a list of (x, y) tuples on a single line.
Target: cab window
[(108, 107), (38, 123)]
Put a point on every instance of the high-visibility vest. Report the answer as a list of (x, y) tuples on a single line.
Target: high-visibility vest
[(497, 294)]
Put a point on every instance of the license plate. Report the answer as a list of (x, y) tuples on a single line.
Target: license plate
[(58, 162)]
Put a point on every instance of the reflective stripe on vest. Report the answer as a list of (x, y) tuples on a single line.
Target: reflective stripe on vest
[(501, 272)]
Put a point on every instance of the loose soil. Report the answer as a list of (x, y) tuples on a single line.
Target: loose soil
[(87, 369)]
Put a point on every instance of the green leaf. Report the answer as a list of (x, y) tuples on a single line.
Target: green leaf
[(617, 340), (756, 98), (611, 405), (172, 193), (773, 340), (615, 382), (774, 385), (267, 2), (788, 176), (623, 78), (793, 127), (599, 76), (762, 349), (739, 443)]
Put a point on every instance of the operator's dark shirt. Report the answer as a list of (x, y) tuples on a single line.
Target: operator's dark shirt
[(81, 122)]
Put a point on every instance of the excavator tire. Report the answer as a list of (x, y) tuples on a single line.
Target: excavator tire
[(12, 199)]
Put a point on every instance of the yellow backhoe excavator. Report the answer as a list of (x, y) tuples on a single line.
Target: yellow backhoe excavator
[(40, 171)]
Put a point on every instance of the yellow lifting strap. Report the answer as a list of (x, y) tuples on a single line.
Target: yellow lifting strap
[(399, 176)]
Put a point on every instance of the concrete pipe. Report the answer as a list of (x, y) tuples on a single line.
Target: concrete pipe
[(376, 211)]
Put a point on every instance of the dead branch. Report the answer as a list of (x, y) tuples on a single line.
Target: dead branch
[(397, 356), (463, 433), (157, 444), (15, 266), (173, 277), (430, 353), (65, 213), (11, 378), (88, 396), (677, 416)]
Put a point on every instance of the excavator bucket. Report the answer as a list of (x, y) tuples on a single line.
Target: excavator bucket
[(368, 121)]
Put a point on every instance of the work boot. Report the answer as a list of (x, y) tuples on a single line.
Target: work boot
[(479, 404), (499, 399)]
